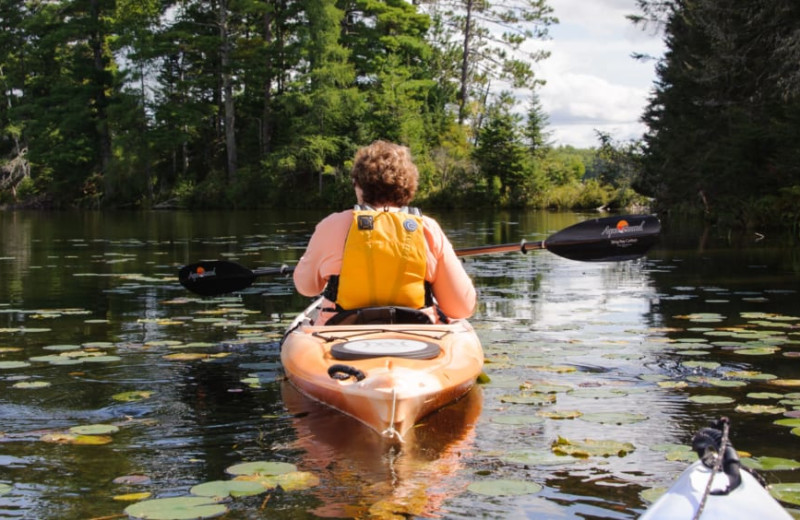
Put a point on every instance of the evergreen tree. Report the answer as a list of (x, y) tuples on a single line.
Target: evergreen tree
[(725, 104), (501, 154)]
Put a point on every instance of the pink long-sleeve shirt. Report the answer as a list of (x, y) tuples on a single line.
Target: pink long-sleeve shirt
[(453, 289)]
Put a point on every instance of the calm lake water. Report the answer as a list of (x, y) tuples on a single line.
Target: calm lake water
[(629, 359)]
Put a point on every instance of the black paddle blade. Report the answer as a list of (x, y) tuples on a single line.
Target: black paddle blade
[(608, 239), (215, 277)]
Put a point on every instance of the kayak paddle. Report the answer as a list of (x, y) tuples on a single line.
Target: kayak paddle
[(607, 239)]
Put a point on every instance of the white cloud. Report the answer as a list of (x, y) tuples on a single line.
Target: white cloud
[(592, 80)]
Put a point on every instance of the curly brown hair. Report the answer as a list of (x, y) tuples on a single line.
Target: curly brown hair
[(385, 173)]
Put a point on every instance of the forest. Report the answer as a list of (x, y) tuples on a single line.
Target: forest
[(262, 103)]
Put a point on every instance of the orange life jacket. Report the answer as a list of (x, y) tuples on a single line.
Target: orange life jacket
[(384, 260)]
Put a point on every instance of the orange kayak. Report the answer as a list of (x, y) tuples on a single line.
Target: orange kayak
[(386, 376)]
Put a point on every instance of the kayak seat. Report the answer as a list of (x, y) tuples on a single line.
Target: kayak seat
[(380, 316), (382, 347)]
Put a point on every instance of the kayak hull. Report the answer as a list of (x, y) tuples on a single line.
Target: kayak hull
[(385, 384), (747, 501)]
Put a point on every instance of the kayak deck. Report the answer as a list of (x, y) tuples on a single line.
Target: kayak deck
[(386, 376)]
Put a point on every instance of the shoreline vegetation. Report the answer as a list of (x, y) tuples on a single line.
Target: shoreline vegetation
[(199, 105)]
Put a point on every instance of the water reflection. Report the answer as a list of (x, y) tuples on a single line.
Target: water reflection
[(363, 474), (613, 342)]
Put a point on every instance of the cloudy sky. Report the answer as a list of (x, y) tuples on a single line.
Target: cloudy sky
[(592, 80)]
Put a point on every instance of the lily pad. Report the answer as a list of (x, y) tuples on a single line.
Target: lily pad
[(135, 395), (94, 429), (69, 438), (176, 508), (614, 417), (750, 374), (291, 481), (132, 497), (534, 399), (785, 382), (770, 463), (261, 468), (224, 488), (711, 399), (520, 420), (504, 487), (788, 492), (757, 351), (9, 365), (792, 423), (589, 447), (30, 385), (5, 488), (764, 395), (560, 414), (653, 494), (186, 356), (710, 365), (760, 408)]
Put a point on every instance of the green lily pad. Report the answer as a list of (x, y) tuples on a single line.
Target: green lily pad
[(711, 399), (261, 467), (598, 393), (653, 494), (291, 481), (533, 457), (680, 455), (788, 492), (785, 382), (9, 365), (132, 497), (31, 385), (80, 440), (135, 395), (94, 429), (102, 359), (504, 487), (614, 417), (764, 395), (760, 408), (224, 488), (791, 422), (715, 381), (5, 488), (534, 398), (673, 384), (750, 374), (590, 447), (770, 463), (61, 347), (757, 351), (176, 508), (710, 365), (559, 414)]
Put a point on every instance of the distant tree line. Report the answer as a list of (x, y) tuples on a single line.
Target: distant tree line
[(248, 103), (724, 119)]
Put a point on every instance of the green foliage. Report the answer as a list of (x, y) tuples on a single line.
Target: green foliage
[(724, 116), (254, 104)]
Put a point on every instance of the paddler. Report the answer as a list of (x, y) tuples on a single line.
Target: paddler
[(383, 252)]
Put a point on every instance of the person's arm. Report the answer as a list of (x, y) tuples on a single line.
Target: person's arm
[(452, 287), (323, 256)]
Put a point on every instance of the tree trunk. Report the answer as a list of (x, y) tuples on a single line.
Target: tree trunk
[(227, 92), (101, 100), (462, 95)]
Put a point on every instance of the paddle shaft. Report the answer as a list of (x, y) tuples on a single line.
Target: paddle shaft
[(598, 240)]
